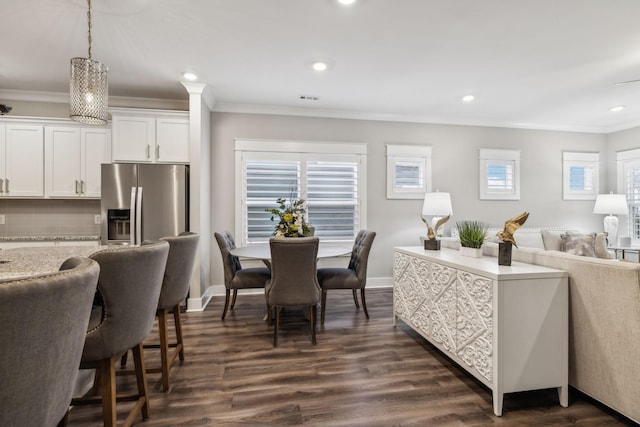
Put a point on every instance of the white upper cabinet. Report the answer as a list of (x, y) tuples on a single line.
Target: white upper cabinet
[(150, 136), (73, 156), (22, 160)]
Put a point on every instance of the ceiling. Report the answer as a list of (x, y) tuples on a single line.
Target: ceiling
[(540, 64)]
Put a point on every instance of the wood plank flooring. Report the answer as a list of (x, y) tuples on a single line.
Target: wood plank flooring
[(361, 373)]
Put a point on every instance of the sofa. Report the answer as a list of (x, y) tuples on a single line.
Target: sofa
[(604, 319)]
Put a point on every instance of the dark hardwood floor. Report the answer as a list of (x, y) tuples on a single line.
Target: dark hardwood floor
[(361, 373)]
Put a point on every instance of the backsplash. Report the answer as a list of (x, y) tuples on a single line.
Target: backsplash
[(38, 217)]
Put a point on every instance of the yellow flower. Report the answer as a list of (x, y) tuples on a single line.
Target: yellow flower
[(287, 217)]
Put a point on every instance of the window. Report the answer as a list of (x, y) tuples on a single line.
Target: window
[(408, 171), (629, 184), (330, 177), (580, 176), (499, 174)]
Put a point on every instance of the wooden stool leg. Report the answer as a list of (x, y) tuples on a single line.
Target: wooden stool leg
[(355, 298), (324, 304), (233, 300), (141, 378), (312, 316), (108, 378), (226, 303), (164, 347), (177, 320)]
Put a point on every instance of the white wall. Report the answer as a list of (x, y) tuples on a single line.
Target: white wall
[(455, 169)]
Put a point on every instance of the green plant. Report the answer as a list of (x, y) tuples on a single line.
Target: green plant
[(471, 233)]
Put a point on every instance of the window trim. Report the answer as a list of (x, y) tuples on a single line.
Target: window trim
[(419, 154), (488, 155), (580, 159), (293, 148), (625, 159)]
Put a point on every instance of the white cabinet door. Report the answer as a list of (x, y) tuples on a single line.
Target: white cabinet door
[(172, 140), (133, 138), (24, 175), (95, 150), (62, 161)]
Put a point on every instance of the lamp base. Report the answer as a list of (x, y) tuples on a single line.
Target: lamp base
[(432, 245), (611, 228)]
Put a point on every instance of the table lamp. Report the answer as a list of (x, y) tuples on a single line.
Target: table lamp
[(610, 204), (436, 205)]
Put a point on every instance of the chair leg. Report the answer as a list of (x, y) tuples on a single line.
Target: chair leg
[(364, 302), (312, 316), (276, 327), (324, 304), (164, 347), (233, 300), (123, 360), (226, 303), (141, 379), (355, 298), (177, 320), (108, 380)]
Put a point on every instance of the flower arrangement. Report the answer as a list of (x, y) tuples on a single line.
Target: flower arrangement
[(291, 218)]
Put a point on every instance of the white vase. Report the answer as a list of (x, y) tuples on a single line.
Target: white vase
[(471, 252)]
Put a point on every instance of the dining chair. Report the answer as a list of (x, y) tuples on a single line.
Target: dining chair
[(129, 285), (293, 279), (353, 277), (175, 287), (236, 277), (44, 322)]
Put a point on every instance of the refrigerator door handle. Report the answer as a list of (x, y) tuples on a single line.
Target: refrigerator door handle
[(139, 217), (133, 215)]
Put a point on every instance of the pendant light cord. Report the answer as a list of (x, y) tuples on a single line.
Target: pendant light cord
[(89, 20)]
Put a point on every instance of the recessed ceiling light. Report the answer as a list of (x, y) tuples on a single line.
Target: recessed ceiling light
[(616, 109), (189, 76), (468, 98), (319, 65), (346, 2)]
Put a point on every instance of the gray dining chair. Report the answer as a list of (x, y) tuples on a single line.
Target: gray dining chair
[(293, 279), (44, 322), (129, 285), (353, 277), (236, 277)]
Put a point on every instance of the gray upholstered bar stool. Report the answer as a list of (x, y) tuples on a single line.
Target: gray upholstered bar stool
[(236, 277), (129, 283), (44, 323), (353, 277), (293, 279)]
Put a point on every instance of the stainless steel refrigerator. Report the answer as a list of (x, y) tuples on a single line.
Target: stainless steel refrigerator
[(143, 202)]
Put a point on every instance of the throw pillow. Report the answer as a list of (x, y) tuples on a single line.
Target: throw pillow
[(579, 244), (600, 246)]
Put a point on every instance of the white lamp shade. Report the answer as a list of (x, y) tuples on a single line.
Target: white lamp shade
[(437, 204), (610, 204)]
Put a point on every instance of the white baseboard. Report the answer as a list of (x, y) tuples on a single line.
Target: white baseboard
[(199, 304)]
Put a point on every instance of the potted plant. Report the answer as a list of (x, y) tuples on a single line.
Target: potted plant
[(471, 234)]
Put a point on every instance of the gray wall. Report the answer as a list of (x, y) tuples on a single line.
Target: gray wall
[(455, 169)]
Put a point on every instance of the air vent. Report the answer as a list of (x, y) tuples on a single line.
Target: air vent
[(309, 98)]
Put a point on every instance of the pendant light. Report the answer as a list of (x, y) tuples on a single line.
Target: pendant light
[(89, 97)]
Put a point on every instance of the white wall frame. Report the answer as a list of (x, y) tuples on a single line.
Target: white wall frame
[(408, 171), (580, 175), (499, 174)]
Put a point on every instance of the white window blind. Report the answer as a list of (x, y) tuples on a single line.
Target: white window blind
[(499, 174), (632, 191), (332, 184), (580, 175), (500, 177)]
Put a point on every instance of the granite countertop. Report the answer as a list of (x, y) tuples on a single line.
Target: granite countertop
[(24, 262), (48, 238)]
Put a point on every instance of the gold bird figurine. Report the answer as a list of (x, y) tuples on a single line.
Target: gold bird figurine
[(432, 232), (510, 227)]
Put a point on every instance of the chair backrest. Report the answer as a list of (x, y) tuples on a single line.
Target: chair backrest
[(360, 254), (294, 278), (130, 281), (230, 263), (180, 262), (43, 326)]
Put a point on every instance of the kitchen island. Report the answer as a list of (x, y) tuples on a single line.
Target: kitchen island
[(32, 261)]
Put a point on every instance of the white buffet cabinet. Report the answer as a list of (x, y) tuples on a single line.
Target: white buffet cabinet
[(506, 325)]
